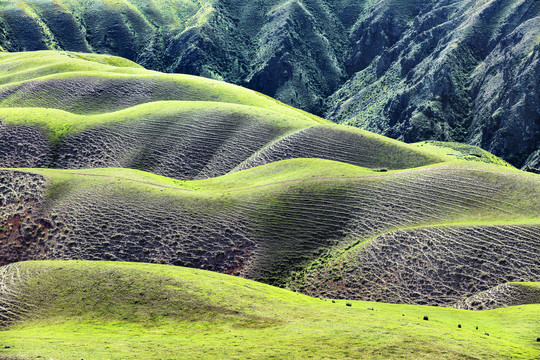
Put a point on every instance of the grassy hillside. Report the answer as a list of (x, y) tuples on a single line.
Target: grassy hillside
[(104, 160), (104, 310), (236, 41), (302, 222), (101, 159), (278, 195), (410, 266), (70, 110), (508, 294), (84, 84), (189, 140)]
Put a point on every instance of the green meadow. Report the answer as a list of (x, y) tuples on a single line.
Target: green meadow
[(111, 310)]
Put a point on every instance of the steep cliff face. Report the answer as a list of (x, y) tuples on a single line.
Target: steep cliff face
[(460, 70), (453, 70), (506, 108)]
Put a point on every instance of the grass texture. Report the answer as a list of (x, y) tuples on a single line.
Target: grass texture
[(91, 83), (112, 310), (73, 110)]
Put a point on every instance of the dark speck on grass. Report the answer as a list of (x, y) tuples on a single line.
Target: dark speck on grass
[(348, 304), (459, 326), (426, 318)]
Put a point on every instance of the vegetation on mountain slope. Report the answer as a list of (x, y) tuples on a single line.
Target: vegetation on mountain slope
[(309, 223), (97, 84), (451, 70), (105, 310), (461, 71), (214, 129), (245, 185)]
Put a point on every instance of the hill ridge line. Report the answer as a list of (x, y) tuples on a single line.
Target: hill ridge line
[(460, 224), (397, 172)]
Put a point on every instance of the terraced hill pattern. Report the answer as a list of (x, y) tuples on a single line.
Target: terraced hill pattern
[(450, 70), (105, 160)]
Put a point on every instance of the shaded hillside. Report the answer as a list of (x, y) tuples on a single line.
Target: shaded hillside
[(300, 216), (451, 70), (106, 310), (510, 294), (463, 71)]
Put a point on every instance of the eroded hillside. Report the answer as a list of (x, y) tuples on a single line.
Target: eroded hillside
[(64, 110), (281, 220), (104, 160)]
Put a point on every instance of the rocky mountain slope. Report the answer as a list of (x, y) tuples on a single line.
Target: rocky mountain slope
[(452, 70)]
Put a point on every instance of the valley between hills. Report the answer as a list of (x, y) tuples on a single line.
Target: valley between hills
[(146, 215)]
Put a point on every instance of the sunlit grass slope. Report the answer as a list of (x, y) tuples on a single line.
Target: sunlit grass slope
[(90, 84), (242, 184), (190, 139), (72, 110), (114, 310), (301, 222)]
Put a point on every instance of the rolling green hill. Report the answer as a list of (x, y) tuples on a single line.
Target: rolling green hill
[(276, 195), (322, 227), (106, 310), (448, 70), (102, 160), (96, 84), (189, 140), (68, 110)]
